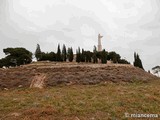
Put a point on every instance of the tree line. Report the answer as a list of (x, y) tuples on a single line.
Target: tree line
[(21, 56), (81, 55), (60, 56)]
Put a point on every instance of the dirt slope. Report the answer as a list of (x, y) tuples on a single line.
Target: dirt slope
[(38, 81), (50, 74)]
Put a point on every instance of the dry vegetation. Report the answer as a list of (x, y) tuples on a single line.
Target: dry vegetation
[(71, 73), (69, 94), (81, 102)]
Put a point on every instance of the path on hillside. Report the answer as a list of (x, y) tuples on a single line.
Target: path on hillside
[(38, 81)]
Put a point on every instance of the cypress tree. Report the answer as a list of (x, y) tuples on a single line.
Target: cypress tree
[(104, 57), (58, 56), (38, 53), (78, 55), (70, 54), (137, 61), (64, 53), (83, 56), (95, 59)]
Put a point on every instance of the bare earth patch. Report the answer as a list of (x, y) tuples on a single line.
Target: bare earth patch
[(38, 81)]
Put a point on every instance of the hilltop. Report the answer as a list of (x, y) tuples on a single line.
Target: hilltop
[(44, 74)]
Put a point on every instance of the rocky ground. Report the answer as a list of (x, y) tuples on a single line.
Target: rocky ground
[(51, 74)]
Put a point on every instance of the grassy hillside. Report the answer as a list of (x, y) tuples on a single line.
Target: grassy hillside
[(107, 101), (77, 92), (71, 73)]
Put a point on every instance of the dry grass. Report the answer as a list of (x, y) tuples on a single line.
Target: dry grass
[(85, 102), (66, 73), (81, 91)]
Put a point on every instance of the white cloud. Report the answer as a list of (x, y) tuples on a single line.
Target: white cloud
[(78, 22), (87, 30)]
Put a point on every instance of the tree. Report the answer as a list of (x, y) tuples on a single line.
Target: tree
[(104, 57), (64, 53), (38, 53), (70, 54), (88, 55), (16, 56), (59, 56), (114, 57), (48, 56), (83, 56), (78, 55), (52, 56), (95, 59), (123, 61), (156, 70), (5, 62), (137, 61), (99, 55)]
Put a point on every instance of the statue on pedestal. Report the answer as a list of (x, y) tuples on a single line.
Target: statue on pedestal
[(99, 43)]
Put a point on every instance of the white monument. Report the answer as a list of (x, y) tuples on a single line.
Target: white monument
[(99, 43)]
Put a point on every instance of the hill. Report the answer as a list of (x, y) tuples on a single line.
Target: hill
[(43, 74), (122, 90), (111, 101)]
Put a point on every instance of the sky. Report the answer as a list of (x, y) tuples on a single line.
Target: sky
[(127, 26)]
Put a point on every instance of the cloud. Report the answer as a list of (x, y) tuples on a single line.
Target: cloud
[(127, 25), (68, 29)]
